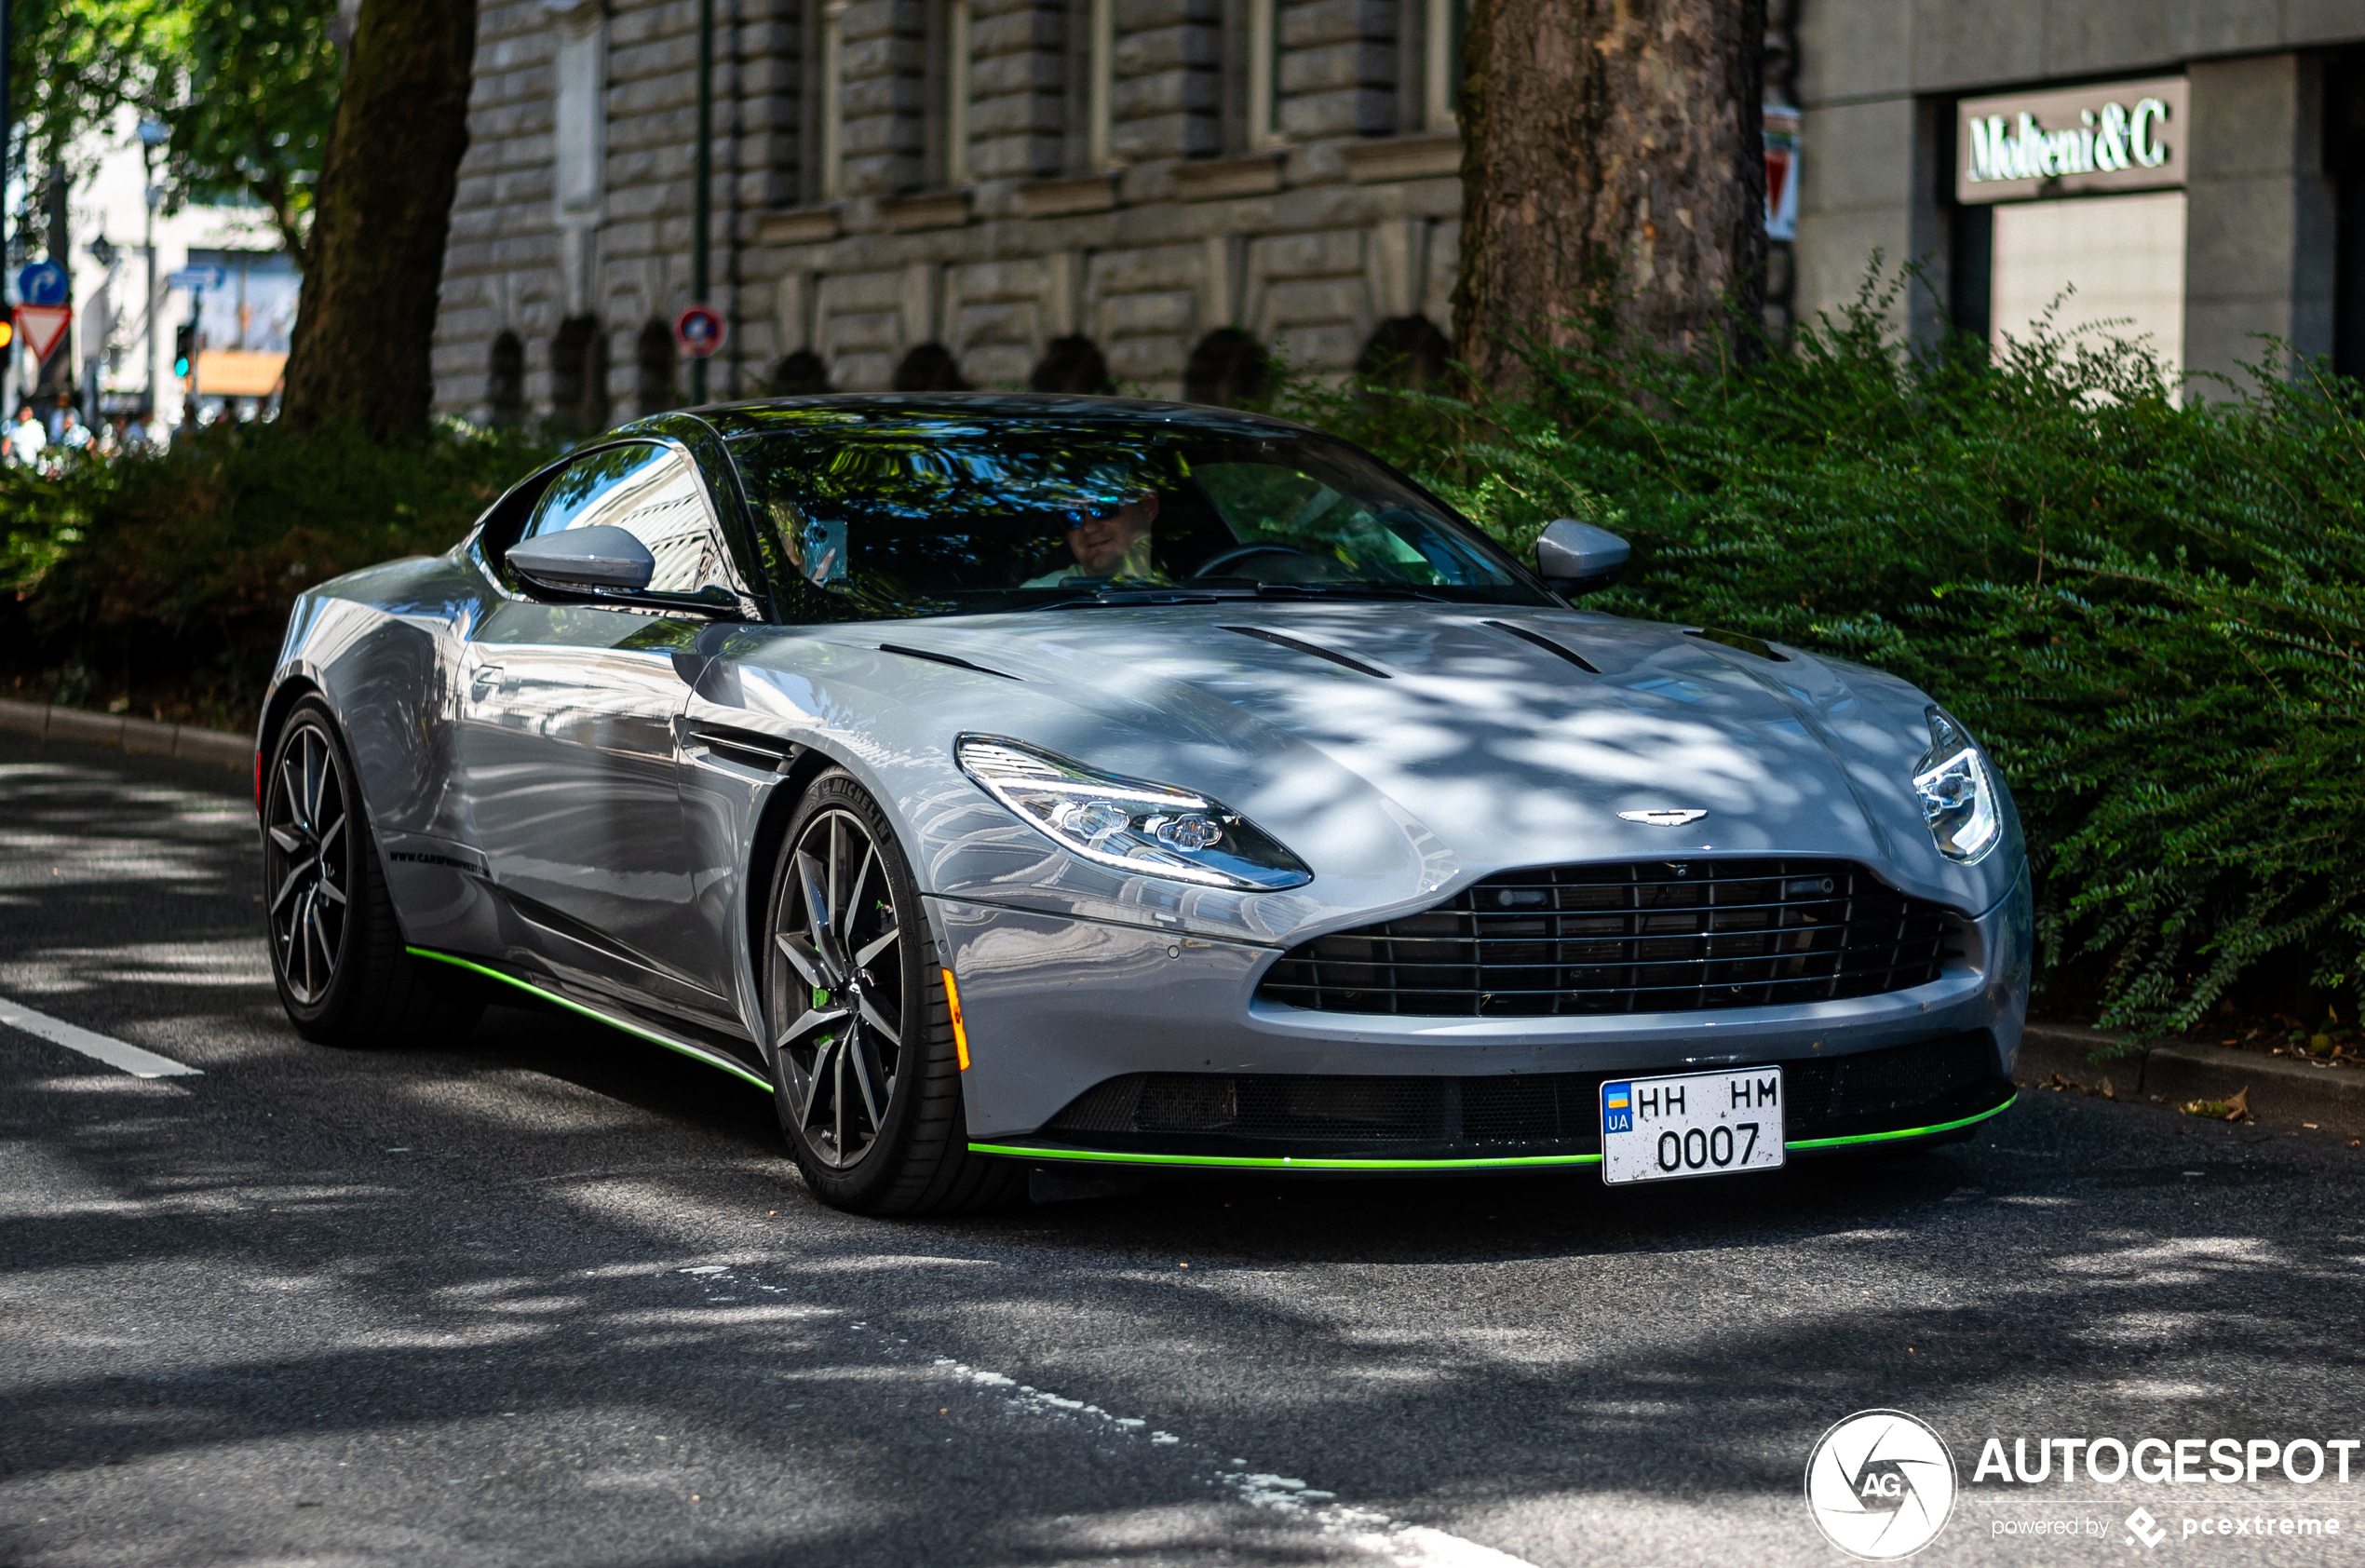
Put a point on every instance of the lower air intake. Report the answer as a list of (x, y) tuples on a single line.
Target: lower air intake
[(1917, 1084)]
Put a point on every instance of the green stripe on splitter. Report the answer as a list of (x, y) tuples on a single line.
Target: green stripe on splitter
[(695, 1053), (1285, 1162), (1902, 1132)]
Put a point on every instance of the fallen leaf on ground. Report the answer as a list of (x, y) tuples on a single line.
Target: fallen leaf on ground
[(2235, 1108)]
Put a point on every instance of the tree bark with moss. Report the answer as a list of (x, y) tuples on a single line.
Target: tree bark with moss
[(366, 324), (1615, 177)]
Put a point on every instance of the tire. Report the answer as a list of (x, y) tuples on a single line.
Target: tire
[(336, 948), (864, 1072)]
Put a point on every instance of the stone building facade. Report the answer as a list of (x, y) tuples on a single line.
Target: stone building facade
[(1055, 192), (919, 191)]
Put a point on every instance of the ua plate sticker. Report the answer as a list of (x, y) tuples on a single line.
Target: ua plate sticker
[(1693, 1124)]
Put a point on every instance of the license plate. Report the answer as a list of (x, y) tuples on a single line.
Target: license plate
[(1694, 1124)]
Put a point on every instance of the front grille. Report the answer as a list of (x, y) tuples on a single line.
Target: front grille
[(1918, 1085), (1653, 936)]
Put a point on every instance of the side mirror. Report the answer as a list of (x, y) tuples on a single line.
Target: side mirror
[(1575, 557), (577, 558)]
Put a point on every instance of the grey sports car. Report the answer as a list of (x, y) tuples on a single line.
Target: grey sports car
[(1006, 783)]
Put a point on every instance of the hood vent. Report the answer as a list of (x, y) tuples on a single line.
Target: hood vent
[(1524, 635), (956, 660), (1283, 639), (1740, 640)]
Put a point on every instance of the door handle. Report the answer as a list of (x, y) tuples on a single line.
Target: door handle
[(484, 681)]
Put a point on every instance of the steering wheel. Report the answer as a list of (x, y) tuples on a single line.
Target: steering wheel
[(1213, 566)]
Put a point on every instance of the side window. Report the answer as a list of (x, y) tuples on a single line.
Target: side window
[(651, 493)]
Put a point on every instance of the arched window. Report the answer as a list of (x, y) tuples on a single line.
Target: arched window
[(1404, 351), (580, 374), (801, 375), (504, 386), (1072, 364), (653, 362), (930, 367), (1227, 368)]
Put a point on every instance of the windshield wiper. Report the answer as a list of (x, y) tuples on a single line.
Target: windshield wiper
[(1347, 590), (1124, 597)]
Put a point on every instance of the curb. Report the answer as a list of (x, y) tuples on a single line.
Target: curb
[(219, 748), (2283, 1092)]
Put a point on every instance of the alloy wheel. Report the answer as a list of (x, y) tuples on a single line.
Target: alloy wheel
[(307, 861), (838, 993)]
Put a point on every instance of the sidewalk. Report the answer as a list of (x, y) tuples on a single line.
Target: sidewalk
[(2283, 1092), (142, 735)]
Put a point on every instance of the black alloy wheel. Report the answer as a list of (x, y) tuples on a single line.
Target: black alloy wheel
[(863, 1066), (337, 953), (841, 932), (307, 852)]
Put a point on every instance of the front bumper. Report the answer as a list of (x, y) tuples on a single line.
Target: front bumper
[(1099, 1041)]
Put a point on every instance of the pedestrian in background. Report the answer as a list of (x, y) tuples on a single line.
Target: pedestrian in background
[(26, 438)]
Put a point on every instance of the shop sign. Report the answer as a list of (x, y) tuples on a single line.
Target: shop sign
[(2122, 136)]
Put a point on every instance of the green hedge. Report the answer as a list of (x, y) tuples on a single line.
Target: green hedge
[(2154, 614), (173, 571)]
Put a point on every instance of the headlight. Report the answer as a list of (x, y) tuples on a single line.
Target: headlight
[(1155, 830), (1958, 798)]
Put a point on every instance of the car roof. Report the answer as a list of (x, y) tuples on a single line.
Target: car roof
[(840, 410)]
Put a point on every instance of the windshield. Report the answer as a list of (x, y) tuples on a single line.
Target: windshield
[(962, 517)]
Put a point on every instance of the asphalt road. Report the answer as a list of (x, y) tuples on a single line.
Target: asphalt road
[(547, 1295)]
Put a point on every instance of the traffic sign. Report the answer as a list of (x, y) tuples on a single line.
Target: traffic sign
[(43, 327), (699, 331), (197, 277), (42, 283)]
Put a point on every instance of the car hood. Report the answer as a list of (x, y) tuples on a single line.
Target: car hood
[(1401, 751)]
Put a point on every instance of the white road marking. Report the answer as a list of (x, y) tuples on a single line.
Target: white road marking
[(1395, 1541), (102, 1048)]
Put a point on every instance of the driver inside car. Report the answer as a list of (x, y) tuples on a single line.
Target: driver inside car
[(1110, 542)]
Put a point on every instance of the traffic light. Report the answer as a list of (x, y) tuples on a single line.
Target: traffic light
[(7, 333), (185, 348)]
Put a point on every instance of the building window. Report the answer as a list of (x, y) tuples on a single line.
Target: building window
[(2124, 254), (504, 386), (652, 356), (579, 117), (1265, 73), (954, 162), (580, 374), (1100, 82), (829, 70), (1442, 23)]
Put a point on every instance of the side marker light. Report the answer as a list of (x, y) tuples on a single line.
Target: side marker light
[(960, 1032)]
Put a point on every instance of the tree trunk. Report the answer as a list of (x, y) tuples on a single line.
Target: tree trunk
[(366, 324), (1615, 177)]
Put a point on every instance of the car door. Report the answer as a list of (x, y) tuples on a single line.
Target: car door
[(568, 738)]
